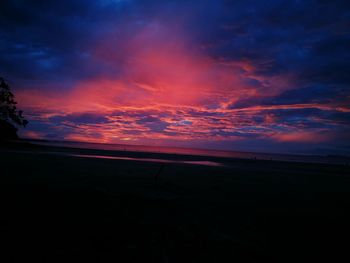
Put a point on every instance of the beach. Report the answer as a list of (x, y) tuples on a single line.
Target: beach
[(61, 204)]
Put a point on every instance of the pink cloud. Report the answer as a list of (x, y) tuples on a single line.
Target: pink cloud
[(302, 136), (162, 75)]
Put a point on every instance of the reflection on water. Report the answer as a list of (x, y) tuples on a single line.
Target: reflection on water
[(206, 163)]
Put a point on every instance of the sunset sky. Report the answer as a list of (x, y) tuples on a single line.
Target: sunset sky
[(270, 76)]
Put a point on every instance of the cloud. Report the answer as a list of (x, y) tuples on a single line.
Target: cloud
[(244, 72), (83, 118), (301, 136)]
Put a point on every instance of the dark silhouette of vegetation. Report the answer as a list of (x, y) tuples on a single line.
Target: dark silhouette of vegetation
[(10, 117)]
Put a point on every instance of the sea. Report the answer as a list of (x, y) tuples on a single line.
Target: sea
[(305, 158)]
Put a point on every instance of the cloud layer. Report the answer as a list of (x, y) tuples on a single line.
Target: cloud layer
[(235, 75)]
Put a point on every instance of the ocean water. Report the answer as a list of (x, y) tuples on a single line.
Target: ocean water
[(196, 152)]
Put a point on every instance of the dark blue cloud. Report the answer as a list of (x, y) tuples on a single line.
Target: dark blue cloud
[(83, 118), (153, 123), (51, 40), (321, 93)]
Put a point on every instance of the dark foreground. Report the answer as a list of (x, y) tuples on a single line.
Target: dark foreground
[(57, 208)]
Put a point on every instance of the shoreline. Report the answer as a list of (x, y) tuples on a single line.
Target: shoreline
[(25, 145)]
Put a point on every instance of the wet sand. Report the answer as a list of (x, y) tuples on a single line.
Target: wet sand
[(58, 206)]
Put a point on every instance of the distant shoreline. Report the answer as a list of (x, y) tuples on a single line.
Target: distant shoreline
[(171, 154)]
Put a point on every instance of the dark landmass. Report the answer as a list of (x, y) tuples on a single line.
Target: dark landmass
[(7, 131), (57, 207)]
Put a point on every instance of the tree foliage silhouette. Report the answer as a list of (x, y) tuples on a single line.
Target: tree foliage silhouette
[(10, 117)]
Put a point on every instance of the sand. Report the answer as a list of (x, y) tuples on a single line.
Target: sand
[(57, 207)]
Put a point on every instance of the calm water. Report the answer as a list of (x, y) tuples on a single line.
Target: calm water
[(196, 152)]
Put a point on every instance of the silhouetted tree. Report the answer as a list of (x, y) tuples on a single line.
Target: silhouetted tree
[(10, 117)]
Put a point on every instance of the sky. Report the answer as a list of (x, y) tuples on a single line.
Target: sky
[(245, 75)]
